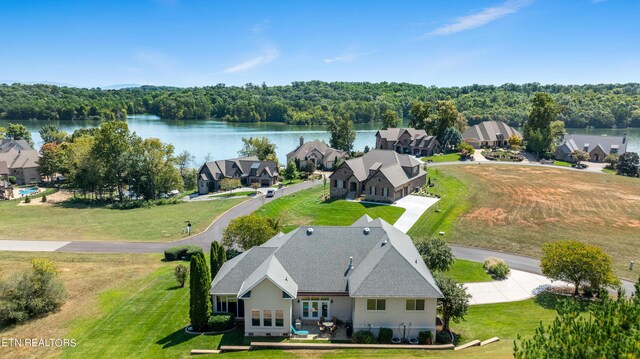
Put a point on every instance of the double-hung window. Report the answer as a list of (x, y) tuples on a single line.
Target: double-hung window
[(414, 304), (376, 304)]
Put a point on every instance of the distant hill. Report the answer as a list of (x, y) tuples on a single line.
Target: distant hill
[(314, 102)]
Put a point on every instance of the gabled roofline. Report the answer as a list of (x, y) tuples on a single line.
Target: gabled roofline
[(244, 291)]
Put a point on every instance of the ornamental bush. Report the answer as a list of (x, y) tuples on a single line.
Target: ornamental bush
[(496, 267), (385, 335), (177, 252), (181, 272), (423, 336), (221, 322), (363, 337)]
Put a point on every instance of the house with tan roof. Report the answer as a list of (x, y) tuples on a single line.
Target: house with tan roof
[(598, 147), (379, 175), (317, 153), (247, 169), (407, 141), (20, 160), (369, 275), (489, 134)]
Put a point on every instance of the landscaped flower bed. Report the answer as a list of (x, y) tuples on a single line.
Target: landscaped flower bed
[(502, 155)]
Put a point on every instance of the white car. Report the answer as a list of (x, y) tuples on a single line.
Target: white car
[(271, 193)]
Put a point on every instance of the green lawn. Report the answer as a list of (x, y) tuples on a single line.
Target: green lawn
[(440, 217), (72, 221), (468, 272), (562, 163), (235, 194), (449, 157), (305, 207), (609, 171)]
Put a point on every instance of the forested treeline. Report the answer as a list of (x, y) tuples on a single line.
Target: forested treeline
[(315, 102)]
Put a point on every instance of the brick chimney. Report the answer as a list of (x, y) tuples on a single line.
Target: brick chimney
[(301, 141)]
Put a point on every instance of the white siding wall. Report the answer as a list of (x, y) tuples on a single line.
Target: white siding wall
[(340, 308), (267, 296), (394, 314)]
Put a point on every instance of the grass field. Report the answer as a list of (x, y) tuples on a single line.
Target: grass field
[(305, 207), (562, 163), (450, 157), (235, 194), (68, 221), (518, 208), (468, 272)]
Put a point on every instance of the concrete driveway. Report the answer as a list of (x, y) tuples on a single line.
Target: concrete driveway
[(414, 208)]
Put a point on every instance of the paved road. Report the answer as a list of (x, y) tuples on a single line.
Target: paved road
[(204, 239)]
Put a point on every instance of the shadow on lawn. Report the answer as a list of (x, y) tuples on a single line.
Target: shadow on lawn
[(555, 301), (176, 338)]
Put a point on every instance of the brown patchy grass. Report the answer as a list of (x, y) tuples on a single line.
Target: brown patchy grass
[(517, 209), (85, 277)]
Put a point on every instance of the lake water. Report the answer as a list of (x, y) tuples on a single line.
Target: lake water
[(223, 140)]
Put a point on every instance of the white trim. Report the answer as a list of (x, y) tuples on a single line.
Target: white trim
[(240, 294)]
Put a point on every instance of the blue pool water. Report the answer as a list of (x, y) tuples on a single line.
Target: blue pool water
[(27, 191)]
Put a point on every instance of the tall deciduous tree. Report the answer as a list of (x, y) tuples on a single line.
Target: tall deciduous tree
[(199, 287), (537, 130), (446, 116), (455, 303), (258, 146), (342, 132), (390, 119), (50, 133), (436, 254), (451, 138), (577, 263), (419, 114), (112, 150), (16, 131), (153, 168), (51, 159), (249, 231)]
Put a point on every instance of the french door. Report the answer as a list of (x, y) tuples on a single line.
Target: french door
[(315, 308)]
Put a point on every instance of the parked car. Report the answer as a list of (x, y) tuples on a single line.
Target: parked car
[(271, 192)]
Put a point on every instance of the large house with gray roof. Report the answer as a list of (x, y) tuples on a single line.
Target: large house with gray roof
[(379, 175), (598, 147), (20, 160), (369, 274), (407, 141), (489, 134), (317, 153), (247, 169)]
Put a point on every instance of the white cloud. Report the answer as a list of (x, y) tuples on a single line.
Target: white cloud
[(347, 56), (269, 55), (480, 18)]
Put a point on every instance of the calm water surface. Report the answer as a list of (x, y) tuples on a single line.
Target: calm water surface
[(223, 140)]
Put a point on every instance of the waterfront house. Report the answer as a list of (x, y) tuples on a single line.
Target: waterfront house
[(598, 147), (247, 169), (20, 160), (317, 153), (407, 141), (489, 134), (369, 274)]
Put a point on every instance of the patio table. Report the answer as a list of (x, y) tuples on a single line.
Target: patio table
[(328, 324)]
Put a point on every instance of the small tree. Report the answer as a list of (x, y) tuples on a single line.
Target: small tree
[(390, 119), (290, 172), (181, 272), (199, 287), (249, 231), (217, 256), (229, 184), (612, 161), (451, 138), (629, 164), (578, 156), (27, 199), (255, 186), (515, 142), (436, 254), (577, 263), (44, 198), (455, 304)]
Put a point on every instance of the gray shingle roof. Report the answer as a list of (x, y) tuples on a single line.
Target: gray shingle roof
[(361, 165), (302, 151), (579, 142), (240, 167), (488, 131), (18, 154), (392, 134), (318, 262)]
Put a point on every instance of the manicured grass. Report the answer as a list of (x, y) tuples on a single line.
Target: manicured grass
[(561, 163), (72, 221), (305, 207), (235, 194), (609, 171), (468, 272), (449, 157), (517, 209)]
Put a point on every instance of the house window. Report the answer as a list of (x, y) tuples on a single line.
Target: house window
[(385, 192), (415, 304), (614, 151), (335, 183), (268, 321), (279, 318), (372, 190), (376, 304), (255, 318)]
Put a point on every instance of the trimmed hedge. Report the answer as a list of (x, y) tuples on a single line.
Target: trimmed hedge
[(422, 336), (221, 322), (364, 337), (385, 335), (177, 252)]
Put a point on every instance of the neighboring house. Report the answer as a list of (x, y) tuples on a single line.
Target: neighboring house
[(369, 274), (21, 161), (6, 189), (489, 134), (317, 153), (247, 169), (407, 141), (598, 147), (379, 175)]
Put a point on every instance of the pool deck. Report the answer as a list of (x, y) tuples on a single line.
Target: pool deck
[(16, 191)]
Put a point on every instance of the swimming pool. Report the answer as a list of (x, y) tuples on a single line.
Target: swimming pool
[(27, 191)]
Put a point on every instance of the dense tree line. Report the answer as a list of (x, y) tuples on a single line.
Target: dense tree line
[(315, 102)]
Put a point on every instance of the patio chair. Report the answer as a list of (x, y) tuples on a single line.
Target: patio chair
[(334, 328), (321, 327), (299, 332)]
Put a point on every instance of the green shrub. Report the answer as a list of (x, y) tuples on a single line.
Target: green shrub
[(443, 337), (44, 198), (221, 322), (181, 273), (231, 253), (177, 252), (12, 180), (496, 267), (363, 337), (27, 199), (385, 335), (423, 336)]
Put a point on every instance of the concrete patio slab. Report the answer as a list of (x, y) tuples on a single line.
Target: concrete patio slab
[(31, 246), (414, 208)]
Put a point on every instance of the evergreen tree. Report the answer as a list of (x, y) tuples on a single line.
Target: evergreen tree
[(199, 287), (213, 258), (537, 130)]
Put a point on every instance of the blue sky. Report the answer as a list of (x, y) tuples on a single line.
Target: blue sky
[(196, 43)]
